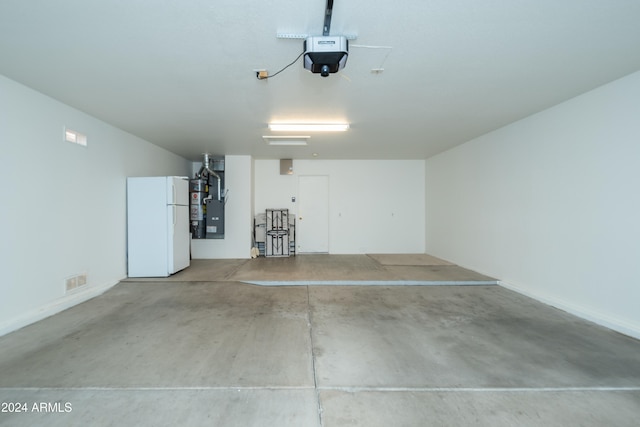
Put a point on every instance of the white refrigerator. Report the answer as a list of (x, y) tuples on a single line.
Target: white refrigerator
[(158, 237)]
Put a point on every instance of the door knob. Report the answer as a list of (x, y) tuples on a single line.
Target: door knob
[(300, 218)]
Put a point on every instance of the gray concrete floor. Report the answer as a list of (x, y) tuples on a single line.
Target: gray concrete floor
[(205, 348)]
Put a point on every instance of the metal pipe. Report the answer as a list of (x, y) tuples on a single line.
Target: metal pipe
[(206, 171)]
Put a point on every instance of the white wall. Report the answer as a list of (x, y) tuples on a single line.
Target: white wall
[(375, 206), (550, 205), (63, 206), (238, 220)]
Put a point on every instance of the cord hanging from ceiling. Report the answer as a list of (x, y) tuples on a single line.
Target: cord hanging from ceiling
[(279, 71)]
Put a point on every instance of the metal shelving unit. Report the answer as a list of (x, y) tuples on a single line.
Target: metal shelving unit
[(274, 233)]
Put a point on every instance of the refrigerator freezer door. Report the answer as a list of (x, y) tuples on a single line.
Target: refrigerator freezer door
[(177, 190), (179, 238)]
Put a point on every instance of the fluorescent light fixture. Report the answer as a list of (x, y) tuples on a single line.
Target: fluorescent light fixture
[(304, 36), (285, 140), (308, 127)]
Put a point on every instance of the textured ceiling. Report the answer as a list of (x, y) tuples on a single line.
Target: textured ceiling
[(180, 73)]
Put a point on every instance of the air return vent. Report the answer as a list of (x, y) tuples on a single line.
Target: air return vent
[(75, 282), (75, 137), (286, 166)]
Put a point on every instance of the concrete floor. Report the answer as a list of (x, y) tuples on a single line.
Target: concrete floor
[(205, 348)]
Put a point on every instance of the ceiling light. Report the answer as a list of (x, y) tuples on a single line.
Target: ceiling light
[(304, 36), (286, 140), (308, 127)]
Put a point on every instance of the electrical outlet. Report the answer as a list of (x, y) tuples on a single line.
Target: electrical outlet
[(261, 73)]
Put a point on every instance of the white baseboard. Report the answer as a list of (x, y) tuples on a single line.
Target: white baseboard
[(599, 318), (54, 307)]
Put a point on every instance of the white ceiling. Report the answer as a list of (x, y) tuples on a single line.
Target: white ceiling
[(179, 73)]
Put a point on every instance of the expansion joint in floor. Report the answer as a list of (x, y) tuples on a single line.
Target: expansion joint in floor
[(313, 358)]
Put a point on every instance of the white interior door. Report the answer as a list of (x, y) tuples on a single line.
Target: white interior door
[(312, 233)]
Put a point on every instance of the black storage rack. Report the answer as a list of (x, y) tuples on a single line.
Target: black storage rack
[(274, 233)]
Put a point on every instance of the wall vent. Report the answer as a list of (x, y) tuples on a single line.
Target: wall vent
[(75, 137), (75, 282), (286, 166)]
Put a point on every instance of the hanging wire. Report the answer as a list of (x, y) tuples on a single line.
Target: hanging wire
[(388, 48), (278, 72)]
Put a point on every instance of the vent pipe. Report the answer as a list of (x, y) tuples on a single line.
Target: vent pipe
[(205, 171)]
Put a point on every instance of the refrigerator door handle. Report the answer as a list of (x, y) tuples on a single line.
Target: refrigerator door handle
[(173, 189), (175, 214)]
